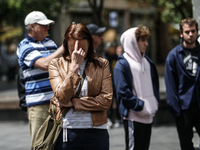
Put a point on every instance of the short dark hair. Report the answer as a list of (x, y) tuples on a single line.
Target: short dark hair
[(188, 21), (142, 32)]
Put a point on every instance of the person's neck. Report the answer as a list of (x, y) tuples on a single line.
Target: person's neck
[(188, 45), (32, 35)]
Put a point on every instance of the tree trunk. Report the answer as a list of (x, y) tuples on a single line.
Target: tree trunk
[(96, 11)]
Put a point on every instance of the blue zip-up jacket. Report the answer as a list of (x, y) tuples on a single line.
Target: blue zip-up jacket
[(123, 85), (180, 85)]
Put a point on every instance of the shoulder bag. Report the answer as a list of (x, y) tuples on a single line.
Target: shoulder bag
[(48, 133)]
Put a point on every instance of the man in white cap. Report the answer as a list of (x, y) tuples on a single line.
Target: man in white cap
[(34, 54), (96, 33)]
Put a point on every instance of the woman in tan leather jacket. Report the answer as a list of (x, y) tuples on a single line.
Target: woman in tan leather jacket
[(84, 125)]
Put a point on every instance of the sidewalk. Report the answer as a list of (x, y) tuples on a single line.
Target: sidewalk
[(163, 138), (14, 132), (17, 133), (15, 136)]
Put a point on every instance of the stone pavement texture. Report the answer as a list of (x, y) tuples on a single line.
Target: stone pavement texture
[(15, 136), (14, 133)]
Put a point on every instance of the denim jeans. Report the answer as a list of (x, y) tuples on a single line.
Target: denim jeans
[(84, 139)]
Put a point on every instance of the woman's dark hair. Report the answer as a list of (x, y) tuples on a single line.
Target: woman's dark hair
[(78, 31)]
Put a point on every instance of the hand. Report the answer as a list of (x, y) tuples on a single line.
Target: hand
[(77, 58), (59, 104)]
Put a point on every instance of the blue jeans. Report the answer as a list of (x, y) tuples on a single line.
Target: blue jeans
[(84, 139)]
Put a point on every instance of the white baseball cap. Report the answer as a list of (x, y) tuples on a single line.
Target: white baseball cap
[(37, 17)]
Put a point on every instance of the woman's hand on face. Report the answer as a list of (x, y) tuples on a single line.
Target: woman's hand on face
[(77, 58)]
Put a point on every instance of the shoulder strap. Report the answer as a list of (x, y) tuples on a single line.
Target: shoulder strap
[(65, 112), (81, 84), (77, 93)]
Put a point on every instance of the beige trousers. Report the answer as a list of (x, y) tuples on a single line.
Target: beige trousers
[(36, 115)]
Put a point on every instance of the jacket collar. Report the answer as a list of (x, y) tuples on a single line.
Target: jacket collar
[(182, 47)]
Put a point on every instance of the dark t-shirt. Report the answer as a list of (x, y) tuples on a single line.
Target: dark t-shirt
[(190, 59)]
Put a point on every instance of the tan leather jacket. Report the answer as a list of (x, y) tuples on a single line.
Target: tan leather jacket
[(64, 83)]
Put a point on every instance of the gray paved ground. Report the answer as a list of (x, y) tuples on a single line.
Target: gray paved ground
[(15, 136)]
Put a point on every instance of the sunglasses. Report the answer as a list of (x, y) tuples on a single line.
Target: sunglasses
[(42, 25)]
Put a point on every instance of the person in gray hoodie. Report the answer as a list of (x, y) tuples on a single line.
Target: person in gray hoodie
[(137, 88)]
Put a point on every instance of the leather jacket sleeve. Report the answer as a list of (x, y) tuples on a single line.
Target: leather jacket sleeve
[(21, 90), (63, 82), (99, 91)]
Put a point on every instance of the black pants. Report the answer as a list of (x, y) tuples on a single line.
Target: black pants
[(189, 118), (84, 139), (137, 135)]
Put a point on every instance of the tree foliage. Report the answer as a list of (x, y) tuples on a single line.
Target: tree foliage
[(14, 11), (173, 11), (176, 10)]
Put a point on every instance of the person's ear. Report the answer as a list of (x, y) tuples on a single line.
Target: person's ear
[(181, 34), (31, 26)]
